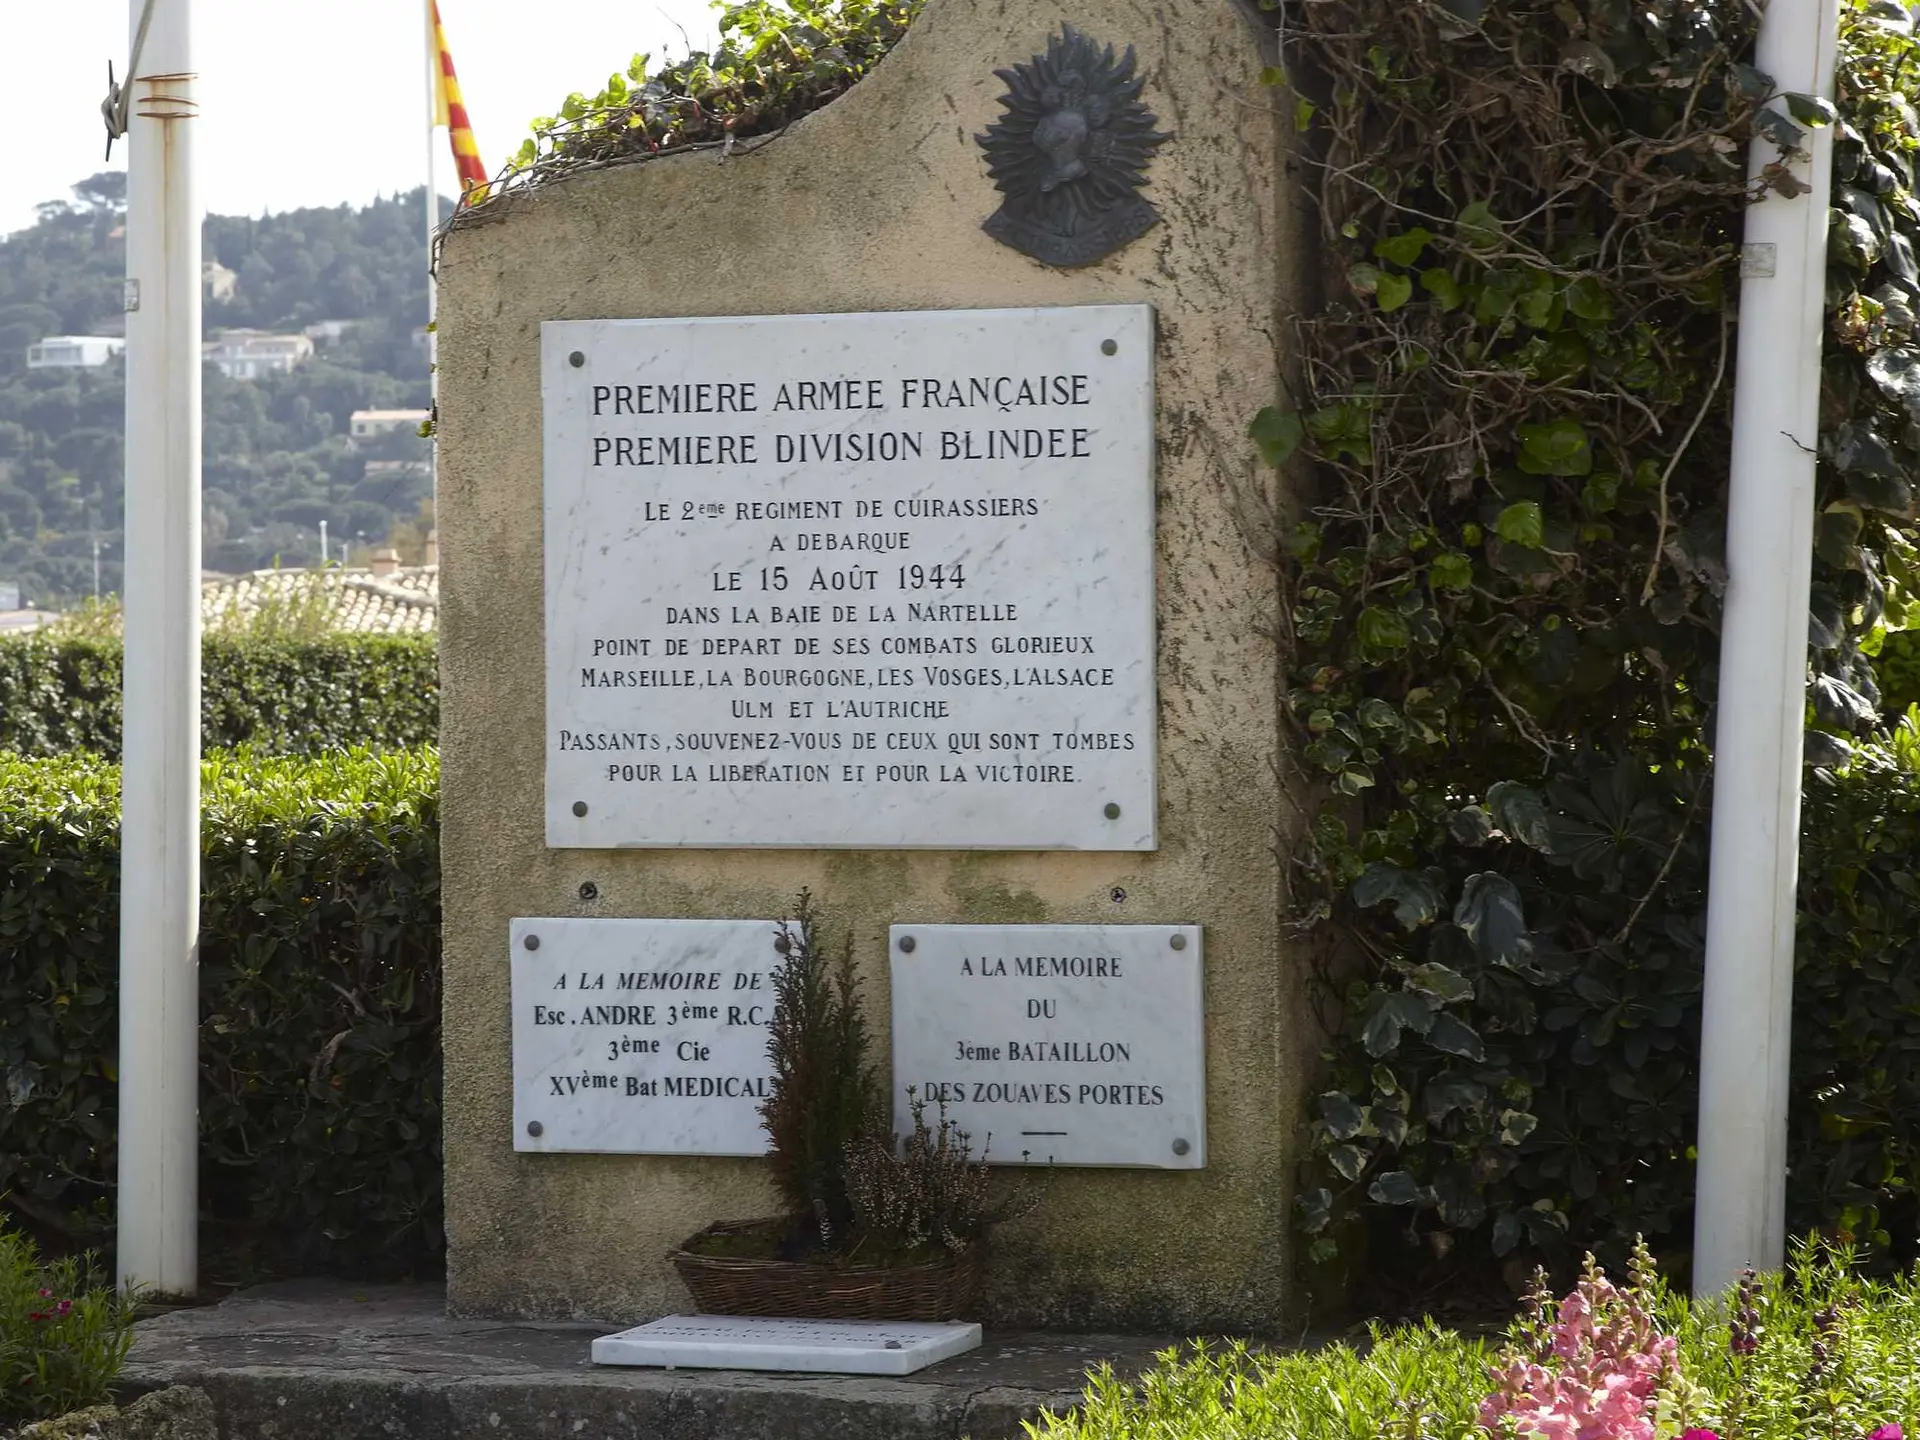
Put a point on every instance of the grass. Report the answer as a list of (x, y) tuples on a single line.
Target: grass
[(1819, 1353)]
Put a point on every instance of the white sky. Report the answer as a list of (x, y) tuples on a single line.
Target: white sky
[(313, 102)]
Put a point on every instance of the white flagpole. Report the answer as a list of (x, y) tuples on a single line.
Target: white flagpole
[(158, 1236), (1747, 1008)]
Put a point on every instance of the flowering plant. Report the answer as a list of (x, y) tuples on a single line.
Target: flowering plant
[(1592, 1367), (63, 1332), (1817, 1353)]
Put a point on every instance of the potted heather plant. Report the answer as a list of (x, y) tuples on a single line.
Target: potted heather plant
[(873, 1228)]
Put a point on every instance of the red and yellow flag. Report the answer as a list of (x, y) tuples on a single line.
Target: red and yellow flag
[(450, 111)]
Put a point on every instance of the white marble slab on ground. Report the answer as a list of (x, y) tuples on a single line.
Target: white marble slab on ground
[(752, 1342)]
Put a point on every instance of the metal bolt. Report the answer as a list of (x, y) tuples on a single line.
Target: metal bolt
[(536, 1129), (1109, 347), (577, 359), (1112, 811), (589, 890), (532, 942), (1119, 895), (906, 944), (895, 1345), (1179, 942), (580, 807), (1181, 1147)]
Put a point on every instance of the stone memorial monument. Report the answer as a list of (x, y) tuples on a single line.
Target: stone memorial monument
[(868, 508)]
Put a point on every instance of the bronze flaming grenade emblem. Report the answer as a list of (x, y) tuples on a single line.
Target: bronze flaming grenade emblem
[(1071, 153)]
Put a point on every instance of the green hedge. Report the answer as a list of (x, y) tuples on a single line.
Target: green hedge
[(284, 696), (320, 1005)]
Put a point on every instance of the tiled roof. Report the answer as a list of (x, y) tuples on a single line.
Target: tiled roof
[(405, 602)]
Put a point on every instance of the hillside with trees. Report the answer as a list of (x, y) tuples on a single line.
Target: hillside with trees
[(278, 456)]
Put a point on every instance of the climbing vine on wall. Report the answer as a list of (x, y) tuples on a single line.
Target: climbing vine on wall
[(776, 61), (1505, 597)]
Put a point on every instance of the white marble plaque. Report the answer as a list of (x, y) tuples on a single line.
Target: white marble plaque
[(641, 1037), (851, 580), (1061, 1044), (747, 1342)]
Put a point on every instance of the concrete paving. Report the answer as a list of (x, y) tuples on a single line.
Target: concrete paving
[(318, 1360)]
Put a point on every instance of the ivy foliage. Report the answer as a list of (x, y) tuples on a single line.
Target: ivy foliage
[(1506, 601), (320, 1007), (776, 61)]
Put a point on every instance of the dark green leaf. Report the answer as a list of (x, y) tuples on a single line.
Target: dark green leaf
[(1405, 248), (1489, 913), (1470, 825), (1415, 900), (1522, 523), (1558, 447), (1447, 986), (1455, 1037), (1342, 1117), (1392, 291), (1837, 533), (1443, 287), (1391, 1015), (1395, 1187), (1519, 811), (1811, 110), (1379, 628), (1348, 1161), (1278, 433)]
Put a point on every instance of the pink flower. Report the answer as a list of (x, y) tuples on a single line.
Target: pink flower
[(1699, 1435), (1888, 1432), (1590, 1375)]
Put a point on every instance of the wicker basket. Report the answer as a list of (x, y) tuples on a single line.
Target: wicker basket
[(941, 1289)]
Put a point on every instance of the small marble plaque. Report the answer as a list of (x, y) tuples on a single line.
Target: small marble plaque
[(1061, 1044), (746, 1342), (851, 580), (641, 1037)]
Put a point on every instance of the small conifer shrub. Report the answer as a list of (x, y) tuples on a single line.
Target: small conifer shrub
[(825, 1090)]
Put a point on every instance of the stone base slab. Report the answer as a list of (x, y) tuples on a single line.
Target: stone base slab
[(321, 1360)]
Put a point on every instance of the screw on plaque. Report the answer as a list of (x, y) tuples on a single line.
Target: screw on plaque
[(1178, 942), (1109, 347), (589, 890), (536, 1129), (577, 359), (1112, 811), (1119, 896), (532, 942), (1181, 1147), (580, 808), (906, 944)]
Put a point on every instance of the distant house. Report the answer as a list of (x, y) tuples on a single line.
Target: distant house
[(328, 332), (249, 354), (365, 424), (73, 352)]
